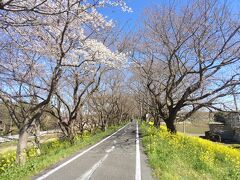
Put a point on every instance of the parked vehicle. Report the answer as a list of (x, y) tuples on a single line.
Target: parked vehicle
[(225, 128)]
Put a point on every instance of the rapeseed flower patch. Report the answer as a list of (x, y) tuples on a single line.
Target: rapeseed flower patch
[(6, 161), (185, 157)]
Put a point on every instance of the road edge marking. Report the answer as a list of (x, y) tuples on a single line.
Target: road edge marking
[(77, 156), (87, 175), (138, 160)]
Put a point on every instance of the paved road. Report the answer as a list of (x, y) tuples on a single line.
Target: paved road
[(116, 158)]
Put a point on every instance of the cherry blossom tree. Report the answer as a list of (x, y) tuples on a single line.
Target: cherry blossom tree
[(79, 82), (188, 58), (112, 104), (39, 41)]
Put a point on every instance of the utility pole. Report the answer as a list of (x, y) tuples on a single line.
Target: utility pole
[(234, 94), (184, 127), (235, 101)]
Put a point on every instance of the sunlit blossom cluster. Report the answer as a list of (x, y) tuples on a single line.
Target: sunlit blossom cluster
[(120, 3)]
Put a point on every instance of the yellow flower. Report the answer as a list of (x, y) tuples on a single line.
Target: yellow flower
[(151, 123)]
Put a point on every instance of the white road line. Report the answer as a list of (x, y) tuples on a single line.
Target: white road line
[(88, 174), (77, 156), (138, 161), (110, 150)]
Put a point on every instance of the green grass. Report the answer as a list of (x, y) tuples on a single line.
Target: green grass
[(193, 128), (183, 157), (7, 144), (236, 146), (52, 152), (12, 145)]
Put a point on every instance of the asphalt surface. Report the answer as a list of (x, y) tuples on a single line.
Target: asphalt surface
[(113, 159)]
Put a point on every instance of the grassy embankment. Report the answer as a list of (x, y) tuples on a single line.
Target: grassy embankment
[(183, 157), (193, 127), (52, 152), (197, 124), (12, 145)]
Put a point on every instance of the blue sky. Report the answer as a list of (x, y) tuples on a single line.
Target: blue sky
[(129, 20)]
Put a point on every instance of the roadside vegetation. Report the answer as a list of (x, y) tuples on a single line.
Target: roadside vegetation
[(12, 145), (176, 156), (66, 66), (51, 153)]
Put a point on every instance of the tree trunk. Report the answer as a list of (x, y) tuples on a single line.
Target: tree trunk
[(156, 121), (63, 127), (105, 125), (81, 129), (102, 126), (171, 126), (81, 126), (21, 156), (36, 134), (71, 133)]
